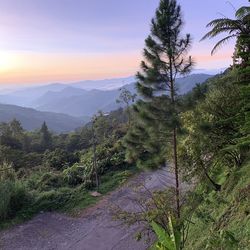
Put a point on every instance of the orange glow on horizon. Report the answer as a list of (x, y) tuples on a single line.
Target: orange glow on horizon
[(49, 67), (29, 67), (208, 61)]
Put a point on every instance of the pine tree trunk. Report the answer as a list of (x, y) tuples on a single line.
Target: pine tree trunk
[(177, 188), (175, 157), (129, 118)]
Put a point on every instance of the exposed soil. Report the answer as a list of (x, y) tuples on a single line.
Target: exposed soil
[(94, 229)]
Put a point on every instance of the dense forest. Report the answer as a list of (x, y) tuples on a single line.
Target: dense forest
[(203, 137)]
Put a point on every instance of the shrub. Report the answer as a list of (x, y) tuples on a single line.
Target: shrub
[(12, 192), (32, 160), (11, 155), (59, 159), (60, 199), (52, 200), (50, 181), (76, 175), (13, 197), (7, 172)]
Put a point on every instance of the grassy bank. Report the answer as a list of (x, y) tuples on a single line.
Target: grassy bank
[(223, 218)]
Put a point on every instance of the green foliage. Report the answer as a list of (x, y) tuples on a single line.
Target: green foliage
[(164, 240), (222, 221), (147, 141), (108, 157), (7, 172), (45, 137), (239, 27), (167, 241), (59, 159), (50, 180), (76, 175), (127, 98), (212, 129), (54, 172), (13, 197), (12, 192)]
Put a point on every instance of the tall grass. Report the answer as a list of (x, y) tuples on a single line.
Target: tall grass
[(12, 192)]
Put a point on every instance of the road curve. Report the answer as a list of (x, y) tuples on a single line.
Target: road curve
[(94, 230)]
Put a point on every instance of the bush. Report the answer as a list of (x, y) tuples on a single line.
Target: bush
[(50, 181), (59, 159), (12, 155), (32, 160), (12, 192), (13, 197), (76, 175), (7, 172), (52, 200)]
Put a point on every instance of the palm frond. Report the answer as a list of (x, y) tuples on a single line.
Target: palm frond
[(221, 22), (214, 32), (221, 43), (242, 12)]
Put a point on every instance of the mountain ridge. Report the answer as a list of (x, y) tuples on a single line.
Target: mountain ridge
[(32, 119), (76, 101)]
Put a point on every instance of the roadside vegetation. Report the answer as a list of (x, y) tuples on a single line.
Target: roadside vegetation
[(204, 136), (43, 171)]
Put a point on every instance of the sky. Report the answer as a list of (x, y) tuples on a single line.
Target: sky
[(43, 41)]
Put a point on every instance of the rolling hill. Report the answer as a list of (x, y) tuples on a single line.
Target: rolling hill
[(32, 119), (79, 102)]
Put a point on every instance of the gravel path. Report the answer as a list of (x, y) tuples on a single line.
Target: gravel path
[(94, 230)]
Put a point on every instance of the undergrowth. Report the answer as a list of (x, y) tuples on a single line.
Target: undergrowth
[(222, 220), (70, 200)]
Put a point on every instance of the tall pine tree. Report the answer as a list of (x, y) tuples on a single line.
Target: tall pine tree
[(157, 123)]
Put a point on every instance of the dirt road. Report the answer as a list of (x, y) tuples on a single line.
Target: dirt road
[(94, 230)]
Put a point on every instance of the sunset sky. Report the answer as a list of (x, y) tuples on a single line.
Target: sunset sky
[(45, 41)]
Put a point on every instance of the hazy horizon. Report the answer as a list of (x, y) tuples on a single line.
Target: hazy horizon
[(13, 87), (45, 42)]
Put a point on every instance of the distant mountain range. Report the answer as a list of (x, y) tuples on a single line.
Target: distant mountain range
[(78, 102), (32, 119), (72, 101), (107, 84), (186, 84)]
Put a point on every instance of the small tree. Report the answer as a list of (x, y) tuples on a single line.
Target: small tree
[(16, 128), (45, 137), (99, 132), (127, 98)]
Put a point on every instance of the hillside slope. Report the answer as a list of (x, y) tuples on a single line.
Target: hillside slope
[(85, 104), (223, 218), (78, 102), (186, 84), (32, 119)]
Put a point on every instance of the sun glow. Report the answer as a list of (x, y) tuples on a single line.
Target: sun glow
[(7, 61)]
